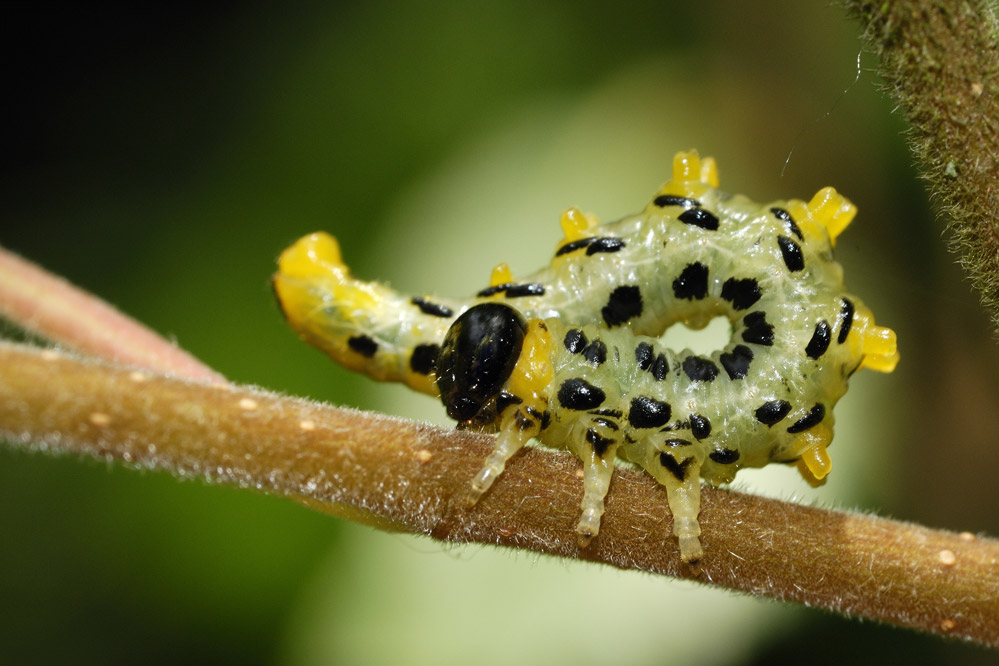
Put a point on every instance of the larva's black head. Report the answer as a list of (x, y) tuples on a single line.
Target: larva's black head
[(477, 356)]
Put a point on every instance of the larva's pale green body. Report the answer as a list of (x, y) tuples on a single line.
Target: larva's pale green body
[(693, 254)]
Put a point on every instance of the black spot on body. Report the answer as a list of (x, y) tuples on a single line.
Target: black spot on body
[(495, 289), (736, 362), (605, 245), (424, 358), (699, 217), (432, 309), (643, 355), (606, 423), (758, 331), (809, 420), (819, 343), (846, 320), (595, 352), (580, 395), (613, 413), (575, 341), (599, 442), (700, 426), (772, 412), (664, 200), (724, 456), (542, 418), (679, 470), (506, 399), (742, 294), (692, 283), (699, 369), (785, 216), (531, 289), (514, 290), (660, 368), (593, 245), (573, 246), (673, 443), (624, 303), (363, 345), (791, 252), (648, 412)]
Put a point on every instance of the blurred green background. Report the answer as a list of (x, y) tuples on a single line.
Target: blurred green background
[(162, 157)]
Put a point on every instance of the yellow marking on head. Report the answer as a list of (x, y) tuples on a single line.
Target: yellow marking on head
[(501, 275), (815, 463), (832, 210), (534, 370), (575, 224), (422, 383), (880, 348)]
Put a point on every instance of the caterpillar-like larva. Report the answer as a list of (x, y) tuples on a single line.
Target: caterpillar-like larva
[(571, 355)]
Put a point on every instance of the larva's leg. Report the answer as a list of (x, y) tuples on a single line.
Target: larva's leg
[(814, 463), (512, 437), (597, 473), (682, 478)]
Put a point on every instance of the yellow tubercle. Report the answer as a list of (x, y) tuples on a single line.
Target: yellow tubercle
[(880, 348), (687, 165), (815, 463), (501, 275), (832, 210), (691, 175), (709, 171), (576, 224), (534, 370)]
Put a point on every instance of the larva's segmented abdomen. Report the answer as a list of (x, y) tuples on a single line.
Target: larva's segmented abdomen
[(572, 355)]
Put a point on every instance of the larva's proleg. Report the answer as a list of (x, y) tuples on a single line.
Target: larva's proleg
[(571, 355)]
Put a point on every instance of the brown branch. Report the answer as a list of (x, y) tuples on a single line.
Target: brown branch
[(51, 307), (407, 476), (940, 61)]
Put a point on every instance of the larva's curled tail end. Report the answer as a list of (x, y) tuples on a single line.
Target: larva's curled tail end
[(312, 255), (832, 210), (310, 265)]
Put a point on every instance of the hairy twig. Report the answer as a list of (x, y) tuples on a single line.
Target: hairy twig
[(51, 307), (401, 475), (940, 61)]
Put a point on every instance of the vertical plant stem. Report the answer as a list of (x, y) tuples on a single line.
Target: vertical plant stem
[(940, 62)]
